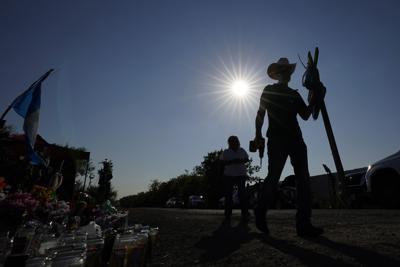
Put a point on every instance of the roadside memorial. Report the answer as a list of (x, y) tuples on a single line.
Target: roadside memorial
[(38, 228), (44, 219)]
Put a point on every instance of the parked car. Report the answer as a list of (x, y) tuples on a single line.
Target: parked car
[(195, 201), (174, 202), (383, 181)]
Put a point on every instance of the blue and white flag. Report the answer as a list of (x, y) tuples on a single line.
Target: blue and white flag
[(27, 105)]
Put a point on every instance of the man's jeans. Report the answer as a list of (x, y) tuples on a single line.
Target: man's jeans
[(278, 151), (229, 182)]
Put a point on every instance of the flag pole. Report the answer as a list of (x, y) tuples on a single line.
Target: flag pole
[(5, 112), (2, 120)]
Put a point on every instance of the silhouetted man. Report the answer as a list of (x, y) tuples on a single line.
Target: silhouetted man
[(235, 173), (284, 139)]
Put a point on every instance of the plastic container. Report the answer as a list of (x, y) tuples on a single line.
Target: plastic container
[(48, 242), (119, 252), (94, 252), (41, 261), (68, 261)]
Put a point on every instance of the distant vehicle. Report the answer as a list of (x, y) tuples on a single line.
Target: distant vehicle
[(286, 195), (383, 181), (174, 202), (195, 201), (235, 200)]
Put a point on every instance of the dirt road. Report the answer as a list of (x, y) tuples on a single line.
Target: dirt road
[(196, 238)]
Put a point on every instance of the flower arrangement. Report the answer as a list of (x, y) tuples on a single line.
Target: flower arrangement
[(21, 202), (14, 208), (42, 194), (58, 209)]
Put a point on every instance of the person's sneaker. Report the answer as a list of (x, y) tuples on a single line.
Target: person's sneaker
[(246, 217), (262, 226), (309, 231), (226, 222), (261, 223)]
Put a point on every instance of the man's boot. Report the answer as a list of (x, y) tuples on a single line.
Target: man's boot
[(261, 223), (308, 230)]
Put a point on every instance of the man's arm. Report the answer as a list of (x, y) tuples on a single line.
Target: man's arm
[(260, 115), (304, 110)]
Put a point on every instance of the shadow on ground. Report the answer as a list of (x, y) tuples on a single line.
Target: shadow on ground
[(305, 256), (308, 257), (224, 241), (364, 256)]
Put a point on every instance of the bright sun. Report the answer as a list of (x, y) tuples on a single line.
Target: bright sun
[(240, 88), (235, 85)]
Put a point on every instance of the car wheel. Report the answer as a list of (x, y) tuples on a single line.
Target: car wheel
[(385, 188)]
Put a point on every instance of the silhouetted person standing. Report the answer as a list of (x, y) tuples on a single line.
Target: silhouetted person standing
[(235, 173), (284, 139)]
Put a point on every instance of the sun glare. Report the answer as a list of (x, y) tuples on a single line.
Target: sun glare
[(235, 84), (240, 88)]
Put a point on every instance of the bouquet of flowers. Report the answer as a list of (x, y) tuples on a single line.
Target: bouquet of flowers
[(42, 194), (58, 210), (20, 201), (14, 207)]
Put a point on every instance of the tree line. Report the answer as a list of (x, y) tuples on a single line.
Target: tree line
[(205, 179)]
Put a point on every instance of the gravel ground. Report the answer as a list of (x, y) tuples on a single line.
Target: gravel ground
[(197, 238)]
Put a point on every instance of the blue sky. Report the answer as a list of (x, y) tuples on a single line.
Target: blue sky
[(134, 79)]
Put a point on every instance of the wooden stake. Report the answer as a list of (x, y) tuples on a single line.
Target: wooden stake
[(340, 181)]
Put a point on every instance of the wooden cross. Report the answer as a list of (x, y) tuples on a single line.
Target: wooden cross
[(318, 90)]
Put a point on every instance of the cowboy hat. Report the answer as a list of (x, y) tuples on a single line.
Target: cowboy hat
[(282, 65)]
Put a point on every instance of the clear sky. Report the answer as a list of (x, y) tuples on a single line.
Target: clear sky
[(135, 79)]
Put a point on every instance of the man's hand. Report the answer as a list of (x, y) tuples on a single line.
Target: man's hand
[(258, 139), (316, 99)]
